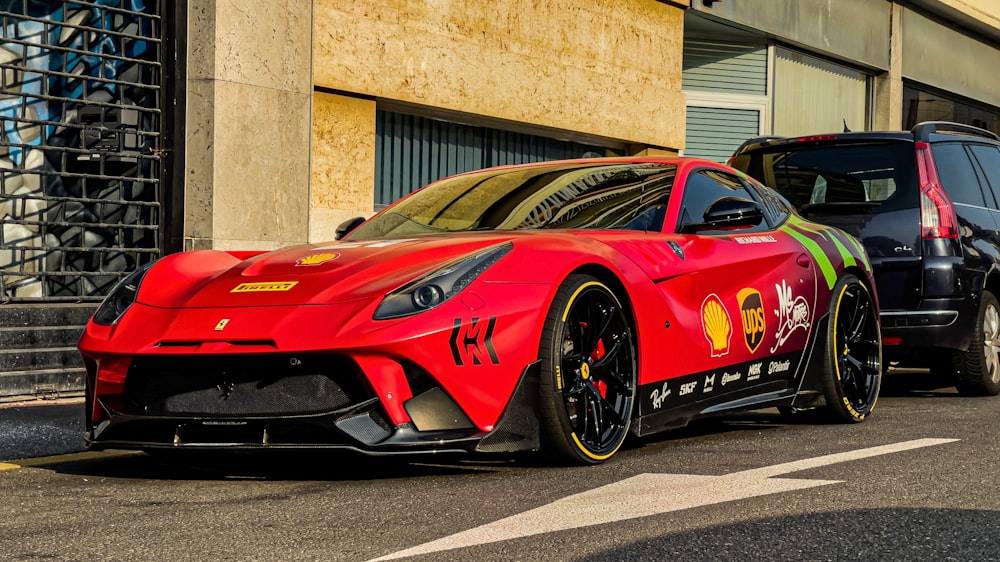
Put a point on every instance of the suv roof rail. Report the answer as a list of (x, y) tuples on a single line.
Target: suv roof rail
[(922, 131)]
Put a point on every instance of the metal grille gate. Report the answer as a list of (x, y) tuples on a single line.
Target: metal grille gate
[(80, 146)]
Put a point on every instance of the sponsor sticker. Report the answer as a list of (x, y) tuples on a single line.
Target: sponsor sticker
[(472, 342), (752, 315), (317, 259), (717, 326), (729, 378), (688, 388), (273, 287), (659, 396), (755, 239), (779, 367), (709, 384), (792, 313)]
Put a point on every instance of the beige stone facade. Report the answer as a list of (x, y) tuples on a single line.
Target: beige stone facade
[(282, 95)]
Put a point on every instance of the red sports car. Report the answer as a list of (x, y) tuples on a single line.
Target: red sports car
[(558, 306)]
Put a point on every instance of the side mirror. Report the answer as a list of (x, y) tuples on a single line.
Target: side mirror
[(728, 212), (347, 226)]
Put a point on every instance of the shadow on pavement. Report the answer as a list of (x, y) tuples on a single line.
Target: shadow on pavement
[(855, 534)]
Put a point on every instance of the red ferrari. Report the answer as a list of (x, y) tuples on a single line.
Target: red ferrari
[(558, 306)]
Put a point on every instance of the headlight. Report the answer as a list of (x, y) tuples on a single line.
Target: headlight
[(438, 286), (121, 297)]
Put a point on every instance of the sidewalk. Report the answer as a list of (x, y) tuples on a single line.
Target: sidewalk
[(39, 428)]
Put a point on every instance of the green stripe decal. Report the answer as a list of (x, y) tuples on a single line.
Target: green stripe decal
[(817, 253), (838, 237), (846, 254), (861, 253)]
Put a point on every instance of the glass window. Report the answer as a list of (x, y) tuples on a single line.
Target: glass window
[(989, 160), (552, 196), (927, 106), (958, 177), (775, 206), (881, 174), (703, 189)]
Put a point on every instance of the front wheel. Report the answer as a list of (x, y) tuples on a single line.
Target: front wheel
[(853, 372), (588, 378)]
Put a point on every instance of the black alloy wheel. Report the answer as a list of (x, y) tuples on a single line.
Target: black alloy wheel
[(588, 384), (854, 351)]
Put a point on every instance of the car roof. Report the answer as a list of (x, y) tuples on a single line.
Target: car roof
[(925, 131)]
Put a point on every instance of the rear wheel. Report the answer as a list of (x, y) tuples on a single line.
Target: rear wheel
[(588, 373), (854, 352), (978, 369)]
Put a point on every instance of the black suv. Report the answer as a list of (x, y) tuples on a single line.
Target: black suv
[(926, 205)]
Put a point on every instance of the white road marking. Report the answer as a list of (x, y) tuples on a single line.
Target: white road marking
[(651, 494)]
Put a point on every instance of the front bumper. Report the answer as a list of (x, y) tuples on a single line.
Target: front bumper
[(276, 402)]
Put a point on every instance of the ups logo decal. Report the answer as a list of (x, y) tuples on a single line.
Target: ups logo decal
[(752, 314)]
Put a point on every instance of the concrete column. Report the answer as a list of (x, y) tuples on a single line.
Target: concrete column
[(888, 110), (247, 129)]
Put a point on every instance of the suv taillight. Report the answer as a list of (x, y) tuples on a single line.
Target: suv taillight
[(937, 214)]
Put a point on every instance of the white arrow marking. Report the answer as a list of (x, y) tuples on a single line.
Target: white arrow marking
[(651, 494)]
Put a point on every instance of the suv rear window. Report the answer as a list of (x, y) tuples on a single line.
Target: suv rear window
[(880, 176)]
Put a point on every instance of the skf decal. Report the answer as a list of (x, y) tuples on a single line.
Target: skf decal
[(221, 325), (688, 388), (468, 340), (317, 259), (716, 324), (752, 314), (275, 287), (792, 313)]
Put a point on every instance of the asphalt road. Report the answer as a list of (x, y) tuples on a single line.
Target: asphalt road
[(917, 481)]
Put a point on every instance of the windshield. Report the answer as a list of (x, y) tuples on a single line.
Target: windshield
[(879, 175), (593, 196)]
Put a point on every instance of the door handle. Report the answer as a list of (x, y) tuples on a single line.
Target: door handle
[(803, 260)]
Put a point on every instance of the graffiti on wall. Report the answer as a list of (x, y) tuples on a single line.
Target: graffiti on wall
[(79, 145)]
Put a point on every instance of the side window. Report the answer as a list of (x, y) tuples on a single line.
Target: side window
[(776, 207), (958, 177), (705, 187), (989, 159)]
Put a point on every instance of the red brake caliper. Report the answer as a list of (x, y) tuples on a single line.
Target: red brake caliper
[(596, 356)]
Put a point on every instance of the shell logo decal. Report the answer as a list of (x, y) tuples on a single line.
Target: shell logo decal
[(317, 259), (716, 324), (752, 315)]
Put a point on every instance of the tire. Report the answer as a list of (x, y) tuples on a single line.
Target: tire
[(853, 363), (978, 369), (588, 373)]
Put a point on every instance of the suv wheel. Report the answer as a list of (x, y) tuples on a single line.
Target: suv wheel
[(978, 369)]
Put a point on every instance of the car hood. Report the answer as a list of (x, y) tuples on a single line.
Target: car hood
[(306, 274)]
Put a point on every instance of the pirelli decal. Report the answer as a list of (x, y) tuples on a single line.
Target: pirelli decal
[(273, 287)]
